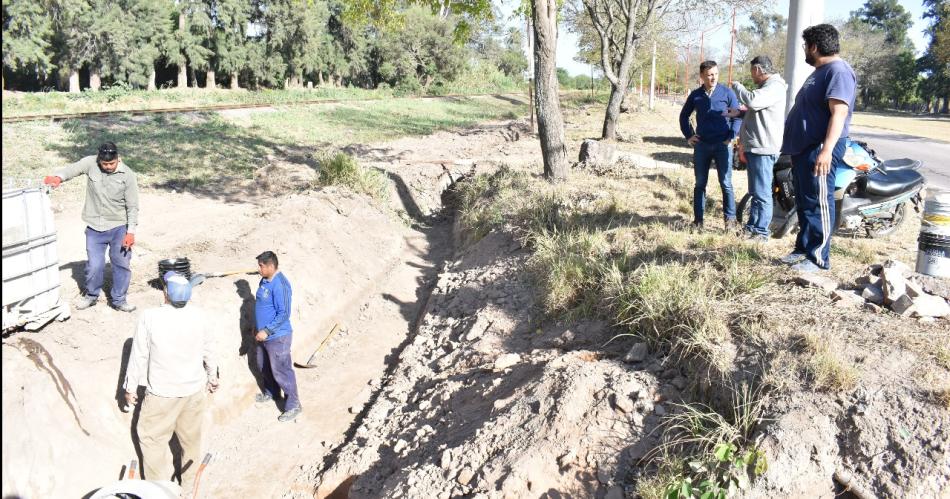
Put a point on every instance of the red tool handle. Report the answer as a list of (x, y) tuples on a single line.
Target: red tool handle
[(204, 464)]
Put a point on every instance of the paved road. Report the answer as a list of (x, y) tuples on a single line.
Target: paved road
[(934, 154)]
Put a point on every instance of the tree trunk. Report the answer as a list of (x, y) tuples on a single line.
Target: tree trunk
[(95, 81), (209, 80), (183, 67), (194, 77), (617, 93), (320, 78), (234, 81), (547, 106), (946, 105), (151, 79), (74, 81)]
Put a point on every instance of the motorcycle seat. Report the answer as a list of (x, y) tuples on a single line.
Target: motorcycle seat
[(892, 182), (900, 164)]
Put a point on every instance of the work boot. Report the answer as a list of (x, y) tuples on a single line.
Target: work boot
[(260, 398), (86, 301), (124, 307), (289, 414)]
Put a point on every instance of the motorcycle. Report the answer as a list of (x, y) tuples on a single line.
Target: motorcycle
[(871, 195)]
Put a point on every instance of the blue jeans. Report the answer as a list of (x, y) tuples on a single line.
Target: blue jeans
[(760, 187), (703, 155), (277, 369), (121, 258)]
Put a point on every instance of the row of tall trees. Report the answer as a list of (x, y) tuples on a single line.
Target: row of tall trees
[(875, 41), (269, 43)]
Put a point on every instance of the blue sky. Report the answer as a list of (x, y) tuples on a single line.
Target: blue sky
[(834, 9)]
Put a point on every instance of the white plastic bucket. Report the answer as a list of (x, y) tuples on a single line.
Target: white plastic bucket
[(936, 219), (31, 283)]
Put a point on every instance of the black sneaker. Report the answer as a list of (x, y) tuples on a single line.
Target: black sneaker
[(290, 414), (260, 398)]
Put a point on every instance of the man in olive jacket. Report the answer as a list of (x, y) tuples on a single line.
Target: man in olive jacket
[(111, 214)]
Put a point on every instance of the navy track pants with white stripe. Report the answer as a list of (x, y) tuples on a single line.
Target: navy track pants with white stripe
[(815, 202)]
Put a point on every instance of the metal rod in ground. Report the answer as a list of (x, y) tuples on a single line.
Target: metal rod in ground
[(846, 480)]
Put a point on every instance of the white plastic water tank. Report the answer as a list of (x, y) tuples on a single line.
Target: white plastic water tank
[(31, 284)]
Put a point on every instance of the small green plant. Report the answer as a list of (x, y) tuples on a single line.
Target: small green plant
[(343, 170), (719, 474), (720, 458)]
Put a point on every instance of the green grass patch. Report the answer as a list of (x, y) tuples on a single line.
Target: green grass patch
[(185, 148), (569, 266), (825, 366), (125, 99), (343, 170), (669, 305)]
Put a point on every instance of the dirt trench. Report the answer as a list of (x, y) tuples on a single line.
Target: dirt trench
[(365, 265)]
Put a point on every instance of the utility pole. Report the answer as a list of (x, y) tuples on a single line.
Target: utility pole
[(732, 43), (653, 77), (686, 72), (801, 14), (591, 82), (702, 35), (640, 98)]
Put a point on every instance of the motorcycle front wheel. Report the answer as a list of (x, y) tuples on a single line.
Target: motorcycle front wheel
[(900, 215)]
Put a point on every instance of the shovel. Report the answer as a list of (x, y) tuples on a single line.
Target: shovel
[(200, 278), (310, 363)]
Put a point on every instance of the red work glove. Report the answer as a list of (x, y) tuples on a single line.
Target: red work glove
[(52, 180), (128, 241)]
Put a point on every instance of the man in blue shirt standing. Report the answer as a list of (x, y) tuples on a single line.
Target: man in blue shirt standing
[(815, 133), (710, 140), (274, 335)]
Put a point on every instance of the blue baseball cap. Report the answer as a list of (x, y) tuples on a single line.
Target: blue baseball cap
[(177, 287)]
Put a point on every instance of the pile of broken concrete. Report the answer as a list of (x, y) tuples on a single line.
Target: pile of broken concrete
[(895, 286)]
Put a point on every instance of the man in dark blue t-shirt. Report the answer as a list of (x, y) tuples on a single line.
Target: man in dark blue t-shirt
[(710, 140), (815, 133)]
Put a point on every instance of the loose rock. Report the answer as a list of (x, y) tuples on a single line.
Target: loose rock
[(637, 353), (465, 476), (817, 281), (874, 295), (505, 361)]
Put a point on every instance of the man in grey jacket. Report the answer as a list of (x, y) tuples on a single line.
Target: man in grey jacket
[(761, 137), (111, 213)]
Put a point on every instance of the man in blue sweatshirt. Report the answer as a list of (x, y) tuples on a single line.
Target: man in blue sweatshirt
[(274, 335), (710, 140)]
